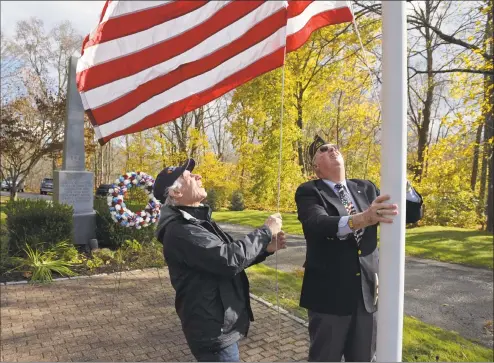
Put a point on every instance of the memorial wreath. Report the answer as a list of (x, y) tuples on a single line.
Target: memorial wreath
[(118, 210)]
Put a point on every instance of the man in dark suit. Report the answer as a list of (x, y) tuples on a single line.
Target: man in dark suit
[(339, 217)]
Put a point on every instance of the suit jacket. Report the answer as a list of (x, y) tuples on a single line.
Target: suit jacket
[(338, 272)]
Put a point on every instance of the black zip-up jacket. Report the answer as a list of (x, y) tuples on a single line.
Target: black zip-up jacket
[(206, 269)]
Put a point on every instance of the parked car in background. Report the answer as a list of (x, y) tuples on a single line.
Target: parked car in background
[(46, 186), (7, 183), (102, 190)]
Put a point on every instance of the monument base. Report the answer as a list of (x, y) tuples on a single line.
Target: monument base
[(84, 228), (75, 188)]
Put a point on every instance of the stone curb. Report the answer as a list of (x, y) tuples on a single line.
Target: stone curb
[(281, 310), (81, 276), (254, 297)]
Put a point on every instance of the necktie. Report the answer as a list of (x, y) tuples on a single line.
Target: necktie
[(350, 208)]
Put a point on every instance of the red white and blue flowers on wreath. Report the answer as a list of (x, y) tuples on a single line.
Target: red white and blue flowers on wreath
[(124, 216)]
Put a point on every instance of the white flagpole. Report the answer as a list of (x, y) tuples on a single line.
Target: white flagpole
[(393, 182)]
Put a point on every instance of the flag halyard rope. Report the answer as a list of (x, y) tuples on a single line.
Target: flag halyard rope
[(282, 108)]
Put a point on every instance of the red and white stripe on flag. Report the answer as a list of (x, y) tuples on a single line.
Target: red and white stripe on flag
[(149, 62)]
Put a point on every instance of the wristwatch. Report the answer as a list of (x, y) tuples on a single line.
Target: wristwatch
[(350, 223)]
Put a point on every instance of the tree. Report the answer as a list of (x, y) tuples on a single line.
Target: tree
[(218, 118), (326, 90), (421, 90), (36, 63), (26, 137), (45, 55), (469, 36), (8, 68), (478, 45), (315, 62)]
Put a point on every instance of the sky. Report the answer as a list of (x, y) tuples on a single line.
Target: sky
[(83, 15)]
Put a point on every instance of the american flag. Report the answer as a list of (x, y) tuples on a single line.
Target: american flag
[(149, 62)]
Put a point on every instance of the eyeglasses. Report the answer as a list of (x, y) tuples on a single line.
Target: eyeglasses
[(329, 148)]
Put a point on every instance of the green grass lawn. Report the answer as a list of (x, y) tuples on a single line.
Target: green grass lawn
[(256, 218), (447, 244), (421, 342), (450, 244)]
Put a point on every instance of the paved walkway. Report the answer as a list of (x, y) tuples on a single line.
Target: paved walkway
[(73, 320), (451, 296)]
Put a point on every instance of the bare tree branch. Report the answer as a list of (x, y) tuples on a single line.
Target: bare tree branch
[(454, 70)]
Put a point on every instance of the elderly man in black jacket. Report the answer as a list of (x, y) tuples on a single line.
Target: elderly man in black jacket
[(339, 218), (206, 265)]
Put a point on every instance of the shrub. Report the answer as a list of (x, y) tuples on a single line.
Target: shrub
[(94, 263), (220, 176), (4, 254), (71, 254), (237, 203), (104, 254), (451, 210), (111, 234), (132, 246), (145, 255), (4, 247), (136, 198), (66, 251), (130, 255), (218, 197), (212, 199), (40, 265), (39, 224)]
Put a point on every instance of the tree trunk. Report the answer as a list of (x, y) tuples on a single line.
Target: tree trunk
[(13, 190), (242, 178), (100, 166), (142, 146), (53, 163), (300, 124), (490, 191), (127, 152), (181, 131), (489, 156), (483, 171), (110, 162), (490, 128), (199, 126), (483, 180), (475, 166), (423, 130), (95, 167), (338, 120), (162, 143)]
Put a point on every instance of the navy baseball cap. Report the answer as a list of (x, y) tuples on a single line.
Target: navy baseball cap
[(316, 144), (167, 177)]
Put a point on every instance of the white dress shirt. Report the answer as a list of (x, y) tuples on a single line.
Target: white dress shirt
[(343, 228)]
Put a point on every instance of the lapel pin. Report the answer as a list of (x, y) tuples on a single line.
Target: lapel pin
[(358, 191)]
